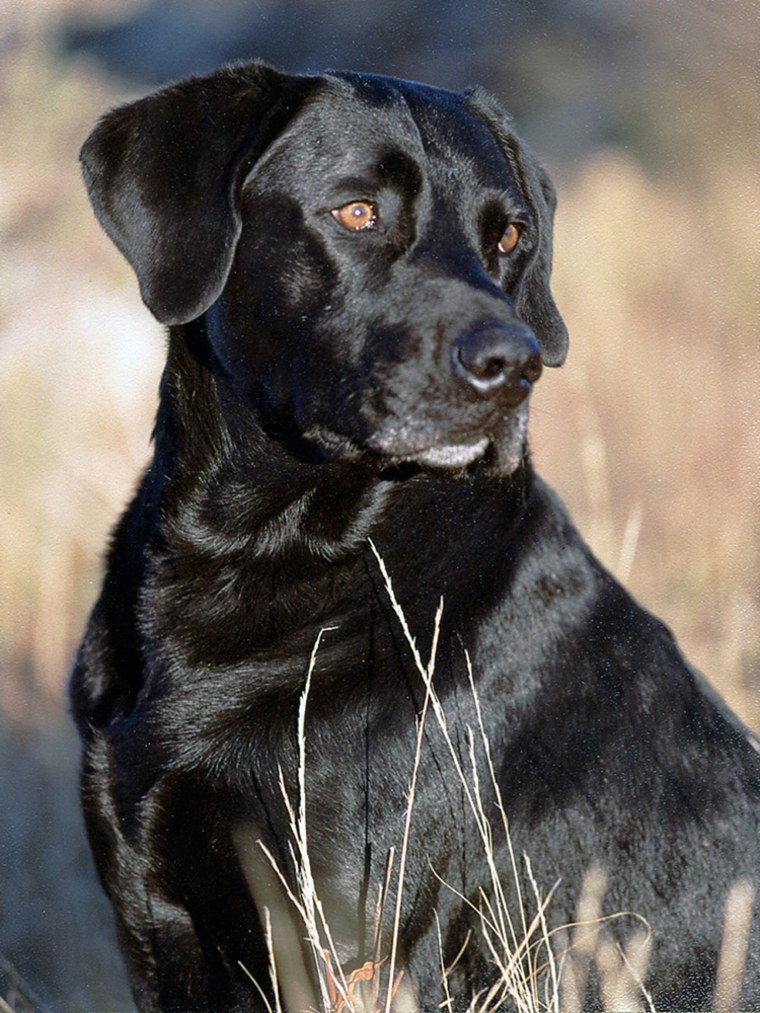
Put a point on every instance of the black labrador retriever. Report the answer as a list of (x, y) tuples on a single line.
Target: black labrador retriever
[(355, 271)]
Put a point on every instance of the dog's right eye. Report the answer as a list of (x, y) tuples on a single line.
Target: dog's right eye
[(357, 216), (510, 238)]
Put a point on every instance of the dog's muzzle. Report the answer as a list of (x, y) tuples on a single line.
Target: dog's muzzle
[(494, 365)]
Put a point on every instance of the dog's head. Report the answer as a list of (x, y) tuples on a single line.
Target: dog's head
[(371, 256)]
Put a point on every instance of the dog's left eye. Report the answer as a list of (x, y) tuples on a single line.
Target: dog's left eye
[(510, 238), (357, 216)]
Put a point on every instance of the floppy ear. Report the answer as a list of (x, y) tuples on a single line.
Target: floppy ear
[(535, 303), (164, 176)]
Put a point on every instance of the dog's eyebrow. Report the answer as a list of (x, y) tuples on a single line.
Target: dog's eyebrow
[(360, 185), (386, 171), (513, 200)]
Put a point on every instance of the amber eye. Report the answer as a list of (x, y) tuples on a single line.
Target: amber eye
[(509, 239), (356, 216)]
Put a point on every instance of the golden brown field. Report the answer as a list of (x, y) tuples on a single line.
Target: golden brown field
[(651, 432)]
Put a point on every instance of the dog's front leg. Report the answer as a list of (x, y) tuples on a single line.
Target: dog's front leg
[(167, 966), (173, 949)]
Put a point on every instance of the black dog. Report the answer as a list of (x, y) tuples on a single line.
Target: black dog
[(356, 274)]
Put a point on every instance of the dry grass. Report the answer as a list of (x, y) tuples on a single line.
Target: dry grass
[(535, 968)]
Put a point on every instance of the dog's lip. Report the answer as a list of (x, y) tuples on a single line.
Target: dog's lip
[(333, 442), (432, 455), (452, 455)]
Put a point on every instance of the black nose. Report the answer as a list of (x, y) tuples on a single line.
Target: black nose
[(499, 359)]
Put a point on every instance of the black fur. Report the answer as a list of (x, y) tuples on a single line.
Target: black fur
[(324, 388)]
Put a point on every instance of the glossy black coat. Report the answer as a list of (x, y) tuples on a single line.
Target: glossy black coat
[(309, 404)]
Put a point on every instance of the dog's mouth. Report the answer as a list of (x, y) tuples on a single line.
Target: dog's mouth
[(455, 455), (438, 455), (500, 450)]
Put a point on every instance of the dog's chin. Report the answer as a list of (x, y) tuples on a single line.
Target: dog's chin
[(449, 457), (498, 453)]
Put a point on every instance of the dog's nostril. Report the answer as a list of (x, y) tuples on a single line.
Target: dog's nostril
[(488, 369), (498, 357), (533, 367)]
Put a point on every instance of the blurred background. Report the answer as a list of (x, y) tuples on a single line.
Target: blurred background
[(645, 112)]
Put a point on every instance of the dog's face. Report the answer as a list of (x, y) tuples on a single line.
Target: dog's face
[(371, 256)]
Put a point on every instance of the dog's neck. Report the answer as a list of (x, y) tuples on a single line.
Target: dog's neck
[(228, 478), (231, 479)]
